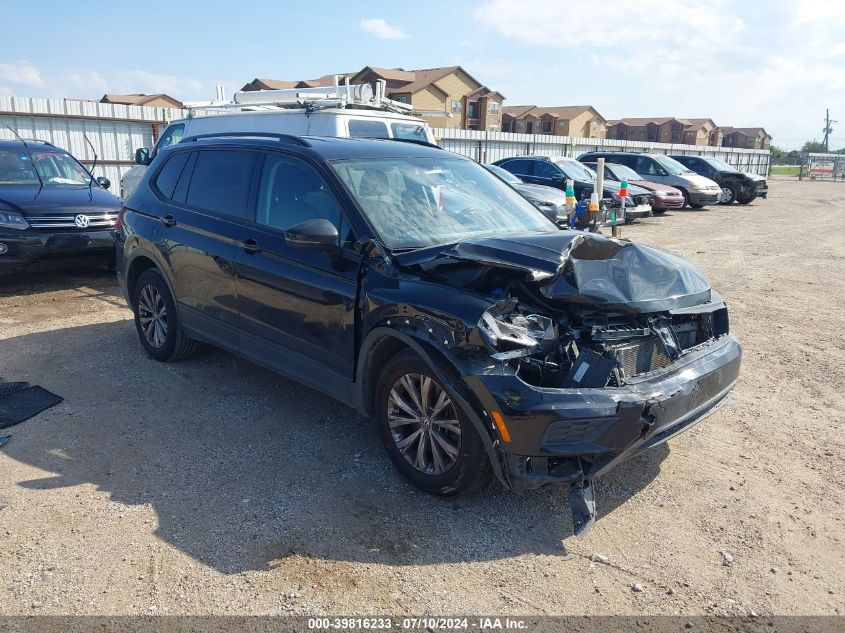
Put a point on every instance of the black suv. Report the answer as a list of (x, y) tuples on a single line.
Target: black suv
[(414, 285), (736, 186), (52, 210)]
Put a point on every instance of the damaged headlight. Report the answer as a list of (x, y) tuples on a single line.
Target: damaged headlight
[(512, 334)]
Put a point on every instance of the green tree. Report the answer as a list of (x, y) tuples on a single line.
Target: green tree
[(777, 153), (813, 146)]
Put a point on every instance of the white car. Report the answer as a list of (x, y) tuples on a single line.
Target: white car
[(365, 117)]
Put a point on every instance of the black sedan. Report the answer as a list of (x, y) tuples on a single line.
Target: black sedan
[(52, 210), (549, 200), (736, 186)]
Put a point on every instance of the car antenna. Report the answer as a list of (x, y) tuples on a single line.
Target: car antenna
[(94, 166), (29, 153)]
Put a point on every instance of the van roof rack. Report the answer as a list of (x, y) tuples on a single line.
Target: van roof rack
[(285, 138), (346, 95)]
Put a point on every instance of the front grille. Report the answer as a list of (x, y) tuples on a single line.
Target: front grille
[(68, 221), (642, 199), (640, 357)]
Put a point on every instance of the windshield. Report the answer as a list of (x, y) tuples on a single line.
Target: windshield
[(419, 202), (720, 164), (504, 174), (575, 170), (54, 168), (623, 172), (672, 166)]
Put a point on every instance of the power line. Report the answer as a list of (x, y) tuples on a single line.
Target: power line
[(827, 129)]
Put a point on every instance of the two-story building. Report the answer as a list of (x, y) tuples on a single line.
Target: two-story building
[(746, 137), (665, 130), (448, 96), (582, 121)]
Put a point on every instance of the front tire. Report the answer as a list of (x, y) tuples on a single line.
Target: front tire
[(427, 435), (156, 319), (729, 194)]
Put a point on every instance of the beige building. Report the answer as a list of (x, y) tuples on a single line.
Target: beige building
[(580, 121), (746, 137), (666, 130), (447, 97)]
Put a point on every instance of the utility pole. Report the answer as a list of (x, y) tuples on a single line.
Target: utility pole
[(827, 129)]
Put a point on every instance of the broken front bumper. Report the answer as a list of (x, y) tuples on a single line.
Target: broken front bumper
[(564, 435)]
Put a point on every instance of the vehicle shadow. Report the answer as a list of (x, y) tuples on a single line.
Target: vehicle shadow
[(100, 280), (245, 468)]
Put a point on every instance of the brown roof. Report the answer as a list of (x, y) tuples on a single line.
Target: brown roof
[(269, 84), (424, 77), (700, 122), (637, 122), (559, 112), (325, 80), (749, 131), (517, 111), (139, 99), (397, 74)]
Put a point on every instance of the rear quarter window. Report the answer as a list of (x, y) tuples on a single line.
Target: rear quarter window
[(361, 128), (168, 175)]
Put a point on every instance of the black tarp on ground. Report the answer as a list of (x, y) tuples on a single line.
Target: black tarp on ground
[(20, 401)]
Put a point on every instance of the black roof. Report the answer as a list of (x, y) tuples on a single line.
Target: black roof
[(328, 148), (16, 144)]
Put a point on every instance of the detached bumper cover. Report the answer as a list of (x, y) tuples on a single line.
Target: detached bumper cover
[(27, 247), (560, 435)]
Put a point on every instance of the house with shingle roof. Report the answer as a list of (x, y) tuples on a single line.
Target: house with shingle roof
[(688, 131), (747, 137), (581, 121)]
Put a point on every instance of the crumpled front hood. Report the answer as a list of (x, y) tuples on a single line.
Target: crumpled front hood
[(584, 268)]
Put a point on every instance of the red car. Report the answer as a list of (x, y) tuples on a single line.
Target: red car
[(665, 197)]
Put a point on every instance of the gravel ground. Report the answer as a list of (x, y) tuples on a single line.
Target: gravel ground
[(214, 486)]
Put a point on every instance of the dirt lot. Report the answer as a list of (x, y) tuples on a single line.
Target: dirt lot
[(214, 486)]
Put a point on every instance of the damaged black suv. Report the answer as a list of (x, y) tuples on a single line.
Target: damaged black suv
[(415, 286)]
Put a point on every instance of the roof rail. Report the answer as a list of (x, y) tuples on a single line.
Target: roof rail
[(284, 138), (34, 140)]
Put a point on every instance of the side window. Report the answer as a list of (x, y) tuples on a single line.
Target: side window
[(171, 136), (519, 167), (362, 128), (646, 166), (168, 176), (292, 191), (544, 169), (220, 182)]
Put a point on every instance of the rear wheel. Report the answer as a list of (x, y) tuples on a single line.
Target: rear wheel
[(427, 435), (156, 320)]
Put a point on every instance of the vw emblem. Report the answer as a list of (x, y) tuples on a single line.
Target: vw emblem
[(81, 221)]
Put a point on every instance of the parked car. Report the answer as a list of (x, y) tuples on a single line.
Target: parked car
[(760, 184), (553, 171), (665, 197), (341, 122), (52, 210), (735, 186), (548, 199), (412, 284), (697, 190)]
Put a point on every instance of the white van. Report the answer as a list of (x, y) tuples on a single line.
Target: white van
[(369, 120)]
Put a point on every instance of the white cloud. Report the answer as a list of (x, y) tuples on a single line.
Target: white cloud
[(383, 30), (145, 81), (87, 82), (21, 73)]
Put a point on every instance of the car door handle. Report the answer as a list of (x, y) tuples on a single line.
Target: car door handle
[(168, 220), (251, 246)]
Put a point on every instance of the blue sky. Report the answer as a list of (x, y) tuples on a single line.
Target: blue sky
[(776, 63)]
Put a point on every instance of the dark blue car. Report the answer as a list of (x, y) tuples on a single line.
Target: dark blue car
[(52, 210), (414, 285)]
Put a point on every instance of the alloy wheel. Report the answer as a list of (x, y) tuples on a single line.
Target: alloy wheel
[(424, 423), (152, 315)]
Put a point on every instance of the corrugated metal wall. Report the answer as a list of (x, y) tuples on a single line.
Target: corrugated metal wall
[(487, 147), (116, 131)]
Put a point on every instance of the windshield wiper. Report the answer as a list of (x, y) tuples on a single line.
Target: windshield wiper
[(28, 153)]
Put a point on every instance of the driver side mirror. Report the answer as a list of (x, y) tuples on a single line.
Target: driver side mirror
[(558, 177), (104, 182), (142, 156), (660, 171), (317, 234)]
